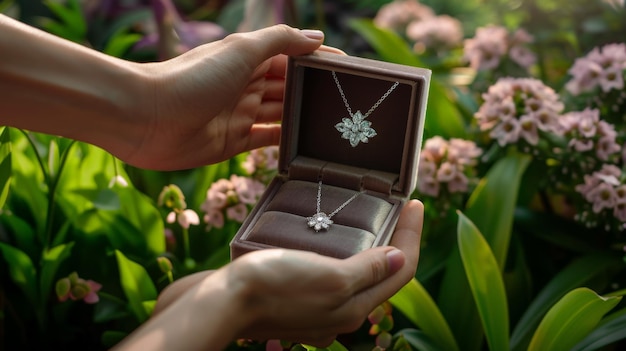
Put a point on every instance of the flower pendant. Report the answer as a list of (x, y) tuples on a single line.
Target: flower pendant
[(319, 221), (356, 129)]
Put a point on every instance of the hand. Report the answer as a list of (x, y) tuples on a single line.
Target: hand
[(304, 297), (217, 100)]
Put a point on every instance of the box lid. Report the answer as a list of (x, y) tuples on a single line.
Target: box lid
[(314, 107)]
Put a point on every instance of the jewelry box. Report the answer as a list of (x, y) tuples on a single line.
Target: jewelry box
[(349, 151)]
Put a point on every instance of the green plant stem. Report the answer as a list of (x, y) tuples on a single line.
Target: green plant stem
[(189, 262)]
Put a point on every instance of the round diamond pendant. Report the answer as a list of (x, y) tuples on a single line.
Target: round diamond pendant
[(319, 221)]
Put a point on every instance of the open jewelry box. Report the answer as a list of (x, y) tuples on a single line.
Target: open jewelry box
[(357, 168)]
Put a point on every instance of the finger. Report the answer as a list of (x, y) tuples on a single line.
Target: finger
[(278, 66), (274, 89), (263, 135), (406, 238), (408, 232), (332, 49), (258, 46), (269, 112)]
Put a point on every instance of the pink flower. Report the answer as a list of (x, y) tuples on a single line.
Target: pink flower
[(428, 186), (214, 218), (458, 184), (237, 213), (612, 78), (603, 67), (76, 288), (602, 196), (507, 132), (537, 108), (528, 129), (492, 43), (446, 163), (440, 32), (397, 14)]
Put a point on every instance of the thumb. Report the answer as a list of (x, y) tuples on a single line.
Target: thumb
[(373, 266), (264, 43)]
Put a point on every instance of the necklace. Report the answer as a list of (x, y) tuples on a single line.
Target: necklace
[(321, 220), (358, 129)]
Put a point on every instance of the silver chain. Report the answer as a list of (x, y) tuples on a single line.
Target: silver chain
[(319, 201), (345, 101)]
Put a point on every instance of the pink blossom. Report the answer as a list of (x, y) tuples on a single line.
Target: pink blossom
[(75, 288), (603, 67), (619, 211), (507, 132), (446, 163), (605, 147), (537, 108), (446, 172), (601, 197), (262, 159), (612, 78), (492, 43), (214, 218), (528, 129), (463, 152), (237, 213), (428, 186), (397, 14), (248, 190), (440, 32), (459, 184), (185, 218)]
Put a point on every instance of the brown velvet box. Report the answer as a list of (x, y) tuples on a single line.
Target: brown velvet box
[(383, 170)]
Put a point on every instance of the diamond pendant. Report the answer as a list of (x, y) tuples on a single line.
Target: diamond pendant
[(319, 221), (356, 129)]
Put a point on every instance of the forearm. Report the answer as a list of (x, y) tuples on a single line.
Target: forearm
[(208, 316), (54, 86)]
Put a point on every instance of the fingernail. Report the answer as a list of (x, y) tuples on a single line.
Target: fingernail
[(395, 260), (313, 33)]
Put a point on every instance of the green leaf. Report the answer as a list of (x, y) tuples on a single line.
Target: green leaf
[(485, 280), (53, 158), (111, 338), (5, 165), (120, 43), (71, 16), (22, 271), (576, 274), (495, 194), (609, 330), (571, 319), (442, 114), (418, 340), (418, 306), (388, 45), (52, 259), (141, 212), (137, 286), (335, 346)]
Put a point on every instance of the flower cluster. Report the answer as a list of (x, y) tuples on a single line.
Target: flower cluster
[(590, 139), (398, 14), (605, 192), (262, 164), (421, 25), (230, 197), (450, 163), (602, 67), (519, 108), (172, 198), (382, 322), (75, 288), (491, 44)]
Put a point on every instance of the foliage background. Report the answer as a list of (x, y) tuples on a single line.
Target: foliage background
[(504, 265)]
